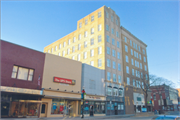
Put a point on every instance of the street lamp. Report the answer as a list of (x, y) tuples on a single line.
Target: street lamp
[(82, 97)]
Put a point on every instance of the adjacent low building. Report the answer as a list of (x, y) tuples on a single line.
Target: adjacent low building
[(21, 80)]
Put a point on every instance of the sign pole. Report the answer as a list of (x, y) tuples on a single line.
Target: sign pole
[(83, 92)]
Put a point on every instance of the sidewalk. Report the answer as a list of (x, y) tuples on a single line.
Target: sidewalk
[(77, 118)]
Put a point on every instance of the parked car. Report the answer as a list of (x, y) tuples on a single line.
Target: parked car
[(167, 117)]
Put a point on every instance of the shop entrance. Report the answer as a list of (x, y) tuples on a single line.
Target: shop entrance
[(71, 107), (44, 110), (5, 109), (115, 110)]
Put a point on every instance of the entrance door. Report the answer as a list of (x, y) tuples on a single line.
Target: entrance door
[(44, 110), (5, 109), (115, 110), (71, 107)]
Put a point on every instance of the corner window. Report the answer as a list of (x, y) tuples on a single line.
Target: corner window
[(108, 62), (107, 27), (99, 14), (22, 73), (108, 51)]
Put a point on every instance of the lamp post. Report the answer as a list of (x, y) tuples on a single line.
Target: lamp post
[(83, 92)]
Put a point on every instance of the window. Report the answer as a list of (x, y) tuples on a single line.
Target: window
[(119, 66), (108, 62), (121, 94), (118, 44), (142, 85), (107, 27), (114, 65), (130, 43), (113, 41), (79, 46), (56, 48), (140, 56), (79, 57), (126, 48), (79, 37), (127, 60), (85, 34), (63, 53), (92, 41), (99, 50), (80, 25), (48, 51), (92, 18), (112, 19), (141, 65), (99, 38), (132, 61), (133, 72), (115, 91), (145, 68), (109, 90), (92, 63), (85, 44), (138, 98), (73, 57), (154, 97), (99, 62), (107, 15), (143, 51), (114, 77), (134, 82), (74, 39), (69, 42), (125, 39), (85, 55), (86, 21), (132, 52), (22, 73), (137, 54), (128, 81), (139, 48), (92, 52), (116, 22), (51, 50), (135, 63), (68, 51), (108, 76), (59, 54), (144, 59), (137, 83), (64, 44), (141, 75), (146, 77), (136, 73), (99, 27), (118, 55), (107, 38), (108, 51), (134, 45), (113, 53), (112, 31), (99, 14), (127, 69), (92, 31), (73, 49), (117, 34), (119, 78)]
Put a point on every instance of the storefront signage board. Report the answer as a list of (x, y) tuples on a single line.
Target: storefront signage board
[(88, 97), (64, 80), (20, 90)]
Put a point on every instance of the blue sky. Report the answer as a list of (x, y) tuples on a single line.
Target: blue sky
[(36, 24)]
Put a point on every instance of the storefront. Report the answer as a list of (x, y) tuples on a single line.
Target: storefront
[(94, 105), (139, 102), (19, 102)]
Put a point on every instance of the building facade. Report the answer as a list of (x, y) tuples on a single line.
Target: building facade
[(99, 42), (94, 85), (164, 98), (21, 80), (61, 87)]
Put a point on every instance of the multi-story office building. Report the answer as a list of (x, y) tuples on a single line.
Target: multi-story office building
[(135, 71), (99, 41)]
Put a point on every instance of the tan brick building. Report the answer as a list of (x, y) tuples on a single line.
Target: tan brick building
[(99, 41)]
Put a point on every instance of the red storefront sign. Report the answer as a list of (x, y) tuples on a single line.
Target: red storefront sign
[(64, 80)]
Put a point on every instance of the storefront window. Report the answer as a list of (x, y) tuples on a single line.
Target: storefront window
[(58, 106), (120, 92)]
